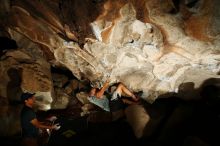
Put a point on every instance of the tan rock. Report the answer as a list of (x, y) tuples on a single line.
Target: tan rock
[(147, 45), (82, 97), (138, 118)]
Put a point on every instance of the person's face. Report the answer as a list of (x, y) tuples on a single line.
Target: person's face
[(92, 92), (30, 101)]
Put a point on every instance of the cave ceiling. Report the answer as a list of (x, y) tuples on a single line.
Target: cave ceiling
[(150, 45)]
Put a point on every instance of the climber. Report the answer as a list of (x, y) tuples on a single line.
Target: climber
[(120, 98), (97, 96), (29, 122)]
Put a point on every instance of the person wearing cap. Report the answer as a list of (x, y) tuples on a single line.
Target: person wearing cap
[(29, 123)]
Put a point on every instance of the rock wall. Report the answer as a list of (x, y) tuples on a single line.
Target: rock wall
[(152, 45)]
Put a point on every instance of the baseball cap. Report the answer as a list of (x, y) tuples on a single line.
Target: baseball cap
[(26, 95)]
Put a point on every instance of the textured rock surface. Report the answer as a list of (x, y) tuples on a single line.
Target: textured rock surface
[(148, 45), (138, 118), (158, 46)]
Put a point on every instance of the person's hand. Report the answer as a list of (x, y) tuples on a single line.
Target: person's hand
[(52, 118), (108, 80), (56, 126)]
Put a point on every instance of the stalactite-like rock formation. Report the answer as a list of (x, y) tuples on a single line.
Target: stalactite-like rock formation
[(151, 45)]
